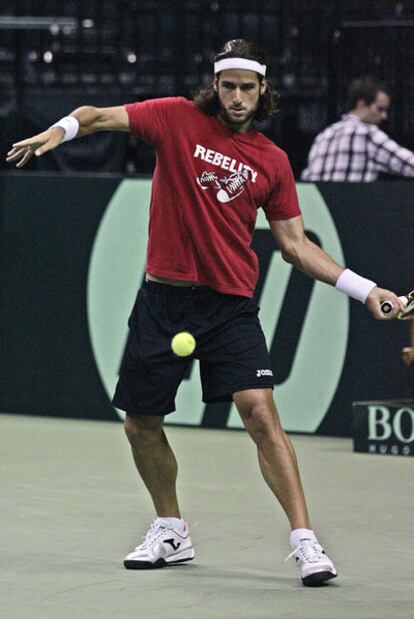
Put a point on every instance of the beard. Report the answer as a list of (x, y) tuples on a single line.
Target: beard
[(235, 121)]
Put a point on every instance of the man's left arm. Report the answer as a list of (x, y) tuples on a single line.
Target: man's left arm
[(390, 157), (302, 253)]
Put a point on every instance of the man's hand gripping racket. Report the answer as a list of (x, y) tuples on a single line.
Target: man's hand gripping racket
[(402, 314)]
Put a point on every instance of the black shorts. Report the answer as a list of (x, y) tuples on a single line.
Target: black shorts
[(230, 346)]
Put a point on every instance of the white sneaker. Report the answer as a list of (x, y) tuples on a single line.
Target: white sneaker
[(315, 566), (163, 545)]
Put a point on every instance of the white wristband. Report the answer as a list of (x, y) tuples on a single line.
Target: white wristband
[(70, 125), (354, 285)]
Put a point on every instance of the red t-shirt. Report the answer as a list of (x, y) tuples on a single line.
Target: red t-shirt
[(207, 186)]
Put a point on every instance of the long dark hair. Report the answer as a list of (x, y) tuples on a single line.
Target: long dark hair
[(207, 99)]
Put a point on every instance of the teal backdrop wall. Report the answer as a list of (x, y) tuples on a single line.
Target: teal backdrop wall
[(72, 259)]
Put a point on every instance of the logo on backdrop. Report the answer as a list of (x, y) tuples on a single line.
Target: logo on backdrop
[(385, 428), (390, 429), (117, 267)]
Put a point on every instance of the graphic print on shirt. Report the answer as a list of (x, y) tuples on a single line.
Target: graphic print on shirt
[(227, 186)]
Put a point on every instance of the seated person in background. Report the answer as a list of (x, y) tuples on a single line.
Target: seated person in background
[(354, 148)]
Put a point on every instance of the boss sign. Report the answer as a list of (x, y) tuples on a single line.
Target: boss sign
[(384, 427)]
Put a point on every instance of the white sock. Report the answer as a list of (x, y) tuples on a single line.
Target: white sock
[(298, 534), (169, 521)]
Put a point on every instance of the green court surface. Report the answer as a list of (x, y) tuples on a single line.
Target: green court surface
[(73, 507)]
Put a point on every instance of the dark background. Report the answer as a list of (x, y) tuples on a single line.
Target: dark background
[(57, 55)]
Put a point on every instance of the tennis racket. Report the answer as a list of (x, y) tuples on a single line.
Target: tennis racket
[(408, 302)]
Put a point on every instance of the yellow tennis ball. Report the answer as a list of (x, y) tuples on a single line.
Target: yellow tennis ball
[(183, 344)]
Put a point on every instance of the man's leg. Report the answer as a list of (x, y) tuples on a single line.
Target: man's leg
[(279, 467), (276, 455), (167, 541), (155, 461)]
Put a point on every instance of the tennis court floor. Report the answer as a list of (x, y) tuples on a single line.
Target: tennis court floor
[(73, 506)]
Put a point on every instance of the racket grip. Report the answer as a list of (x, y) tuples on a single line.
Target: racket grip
[(386, 306)]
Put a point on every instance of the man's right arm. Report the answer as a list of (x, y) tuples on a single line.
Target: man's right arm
[(90, 119)]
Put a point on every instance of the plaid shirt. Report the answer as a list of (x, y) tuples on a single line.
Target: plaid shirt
[(352, 150)]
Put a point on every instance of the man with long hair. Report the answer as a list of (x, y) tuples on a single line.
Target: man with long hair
[(214, 170)]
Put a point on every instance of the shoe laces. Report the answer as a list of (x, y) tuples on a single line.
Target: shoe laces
[(308, 549), (153, 534)]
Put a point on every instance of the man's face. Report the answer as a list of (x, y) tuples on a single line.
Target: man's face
[(377, 111), (238, 92)]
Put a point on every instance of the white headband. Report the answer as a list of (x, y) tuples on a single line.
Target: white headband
[(239, 63)]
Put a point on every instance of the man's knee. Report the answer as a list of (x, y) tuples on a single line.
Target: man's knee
[(260, 417), (261, 424), (143, 428)]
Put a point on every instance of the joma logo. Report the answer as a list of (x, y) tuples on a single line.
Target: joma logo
[(264, 373)]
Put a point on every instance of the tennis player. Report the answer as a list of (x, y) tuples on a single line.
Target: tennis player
[(214, 171)]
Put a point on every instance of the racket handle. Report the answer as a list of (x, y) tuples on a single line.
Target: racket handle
[(386, 306)]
